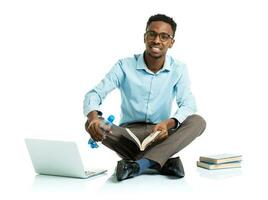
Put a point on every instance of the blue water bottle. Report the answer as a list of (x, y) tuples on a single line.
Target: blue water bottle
[(105, 126)]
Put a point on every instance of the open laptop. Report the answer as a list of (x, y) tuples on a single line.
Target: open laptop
[(57, 158)]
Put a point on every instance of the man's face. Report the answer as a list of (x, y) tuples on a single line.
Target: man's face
[(158, 38)]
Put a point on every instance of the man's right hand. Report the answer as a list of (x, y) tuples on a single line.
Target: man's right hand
[(93, 129), (92, 126)]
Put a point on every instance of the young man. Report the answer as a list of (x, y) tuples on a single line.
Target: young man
[(148, 83)]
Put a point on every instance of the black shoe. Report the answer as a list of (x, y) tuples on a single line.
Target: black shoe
[(126, 169), (173, 167)]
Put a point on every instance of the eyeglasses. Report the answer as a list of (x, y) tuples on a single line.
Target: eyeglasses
[(151, 35)]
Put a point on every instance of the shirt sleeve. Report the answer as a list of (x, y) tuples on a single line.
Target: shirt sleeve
[(184, 98), (94, 98)]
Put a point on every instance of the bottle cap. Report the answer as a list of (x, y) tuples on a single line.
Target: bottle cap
[(92, 143), (111, 118)]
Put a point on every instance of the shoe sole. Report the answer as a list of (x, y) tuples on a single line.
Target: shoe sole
[(119, 171)]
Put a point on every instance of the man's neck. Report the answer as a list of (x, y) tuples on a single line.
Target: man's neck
[(154, 64)]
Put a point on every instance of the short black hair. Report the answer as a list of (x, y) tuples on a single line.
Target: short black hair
[(163, 18)]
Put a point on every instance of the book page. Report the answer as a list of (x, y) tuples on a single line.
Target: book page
[(149, 139), (134, 137)]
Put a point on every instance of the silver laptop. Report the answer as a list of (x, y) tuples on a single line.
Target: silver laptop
[(57, 158)]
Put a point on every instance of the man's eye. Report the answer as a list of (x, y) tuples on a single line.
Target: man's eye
[(164, 36), (151, 34)]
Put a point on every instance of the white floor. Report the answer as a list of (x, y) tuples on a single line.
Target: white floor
[(245, 182)]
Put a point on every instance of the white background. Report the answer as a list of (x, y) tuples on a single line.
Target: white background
[(53, 52)]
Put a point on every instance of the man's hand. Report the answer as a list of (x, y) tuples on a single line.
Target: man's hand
[(92, 126), (164, 126), (94, 130)]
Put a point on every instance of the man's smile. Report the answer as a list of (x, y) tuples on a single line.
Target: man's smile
[(155, 48)]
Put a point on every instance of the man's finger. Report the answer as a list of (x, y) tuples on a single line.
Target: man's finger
[(89, 127), (98, 133), (86, 125), (92, 131), (163, 135)]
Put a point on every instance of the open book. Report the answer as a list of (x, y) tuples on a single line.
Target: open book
[(148, 140)]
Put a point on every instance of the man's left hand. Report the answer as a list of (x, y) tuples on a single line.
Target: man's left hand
[(162, 126)]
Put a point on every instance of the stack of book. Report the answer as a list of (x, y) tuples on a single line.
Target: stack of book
[(220, 161)]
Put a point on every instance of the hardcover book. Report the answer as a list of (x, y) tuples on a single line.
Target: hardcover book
[(221, 158), (218, 166)]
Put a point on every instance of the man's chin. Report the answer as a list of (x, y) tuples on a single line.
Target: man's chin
[(155, 56)]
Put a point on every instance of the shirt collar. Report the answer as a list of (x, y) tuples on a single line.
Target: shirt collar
[(141, 64)]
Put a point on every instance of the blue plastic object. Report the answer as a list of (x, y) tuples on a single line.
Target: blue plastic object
[(107, 123), (111, 119)]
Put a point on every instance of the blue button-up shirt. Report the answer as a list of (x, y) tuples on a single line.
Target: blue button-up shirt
[(145, 96)]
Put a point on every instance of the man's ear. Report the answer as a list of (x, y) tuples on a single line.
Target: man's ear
[(171, 44), (144, 40)]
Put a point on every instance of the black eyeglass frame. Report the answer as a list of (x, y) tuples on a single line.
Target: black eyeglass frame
[(155, 34)]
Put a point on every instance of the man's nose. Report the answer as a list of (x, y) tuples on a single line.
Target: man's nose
[(157, 39)]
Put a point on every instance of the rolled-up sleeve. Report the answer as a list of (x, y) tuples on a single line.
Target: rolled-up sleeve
[(94, 98), (184, 97)]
